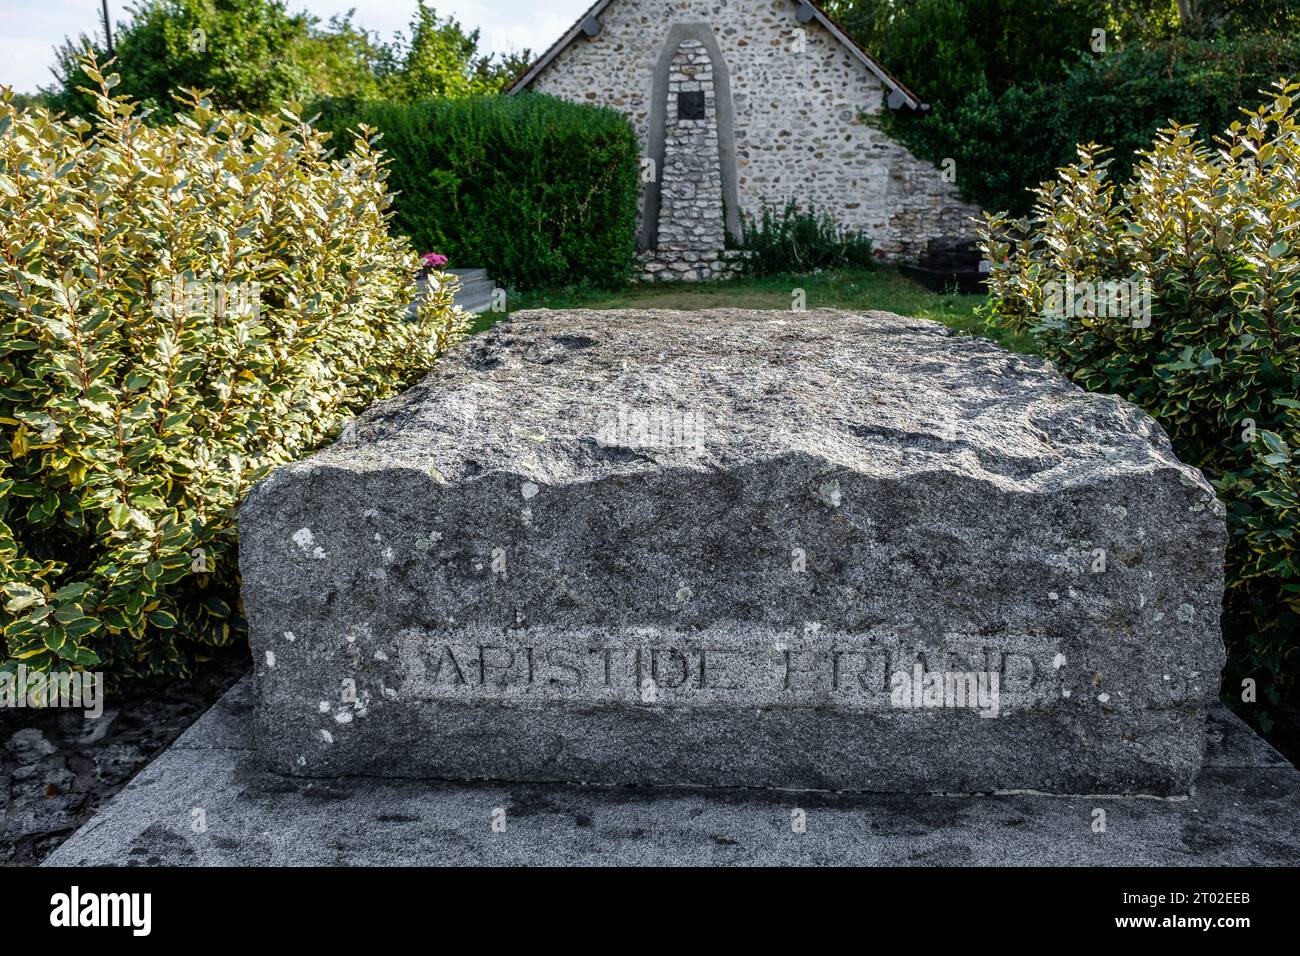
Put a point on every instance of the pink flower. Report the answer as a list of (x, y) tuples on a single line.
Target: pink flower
[(433, 260)]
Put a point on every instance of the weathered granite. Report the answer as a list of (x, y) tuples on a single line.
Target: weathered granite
[(208, 802), (704, 548)]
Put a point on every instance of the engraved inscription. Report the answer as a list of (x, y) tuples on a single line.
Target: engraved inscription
[(724, 667)]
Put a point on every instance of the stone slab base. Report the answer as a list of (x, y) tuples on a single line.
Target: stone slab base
[(207, 802)]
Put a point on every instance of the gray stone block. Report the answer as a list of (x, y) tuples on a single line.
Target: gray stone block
[(806, 550)]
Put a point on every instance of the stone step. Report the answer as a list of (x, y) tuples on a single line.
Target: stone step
[(475, 288), (475, 304), (474, 293), (659, 551)]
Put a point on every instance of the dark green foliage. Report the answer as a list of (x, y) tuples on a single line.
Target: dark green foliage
[(1237, 17), (796, 240), (943, 49), (948, 50), (1014, 85), (537, 190), (1004, 142)]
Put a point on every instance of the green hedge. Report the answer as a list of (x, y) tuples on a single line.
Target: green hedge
[(1004, 144), (538, 190)]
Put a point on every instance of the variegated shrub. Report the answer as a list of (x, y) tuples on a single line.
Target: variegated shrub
[(1210, 238), (181, 308)]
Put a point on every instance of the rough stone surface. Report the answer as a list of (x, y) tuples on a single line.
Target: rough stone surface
[(706, 547), (1245, 812), (803, 107)]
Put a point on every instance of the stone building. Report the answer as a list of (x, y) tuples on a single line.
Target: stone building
[(745, 103)]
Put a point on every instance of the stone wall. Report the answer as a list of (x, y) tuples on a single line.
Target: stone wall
[(691, 234), (690, 212), (802, 105), (689, 265)]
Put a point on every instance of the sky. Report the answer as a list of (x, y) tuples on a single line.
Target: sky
[(30, 29)]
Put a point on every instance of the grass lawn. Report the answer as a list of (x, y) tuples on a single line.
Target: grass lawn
[(858, 289)]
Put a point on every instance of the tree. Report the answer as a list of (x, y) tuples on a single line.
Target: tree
[(1234, 17), (440, 59), (247, 52), (947, 49), (501, 73), (254, 55), (342, 59), (939, 46), (22, 101)]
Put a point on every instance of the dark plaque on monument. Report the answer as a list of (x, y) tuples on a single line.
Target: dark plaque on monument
[(690, 105)]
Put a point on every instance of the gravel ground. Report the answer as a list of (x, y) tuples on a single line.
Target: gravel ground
[(57, 767)]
